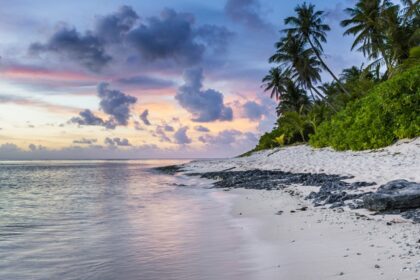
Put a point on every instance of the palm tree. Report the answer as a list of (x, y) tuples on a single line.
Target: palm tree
[(367, 23), (275, 82), (351, 74), (411, 9), (295, 123), (294, 99), (308, 25), (301, 63), (328, 89)]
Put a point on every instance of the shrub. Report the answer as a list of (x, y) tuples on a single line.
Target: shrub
[(268, 140), (389, 112)]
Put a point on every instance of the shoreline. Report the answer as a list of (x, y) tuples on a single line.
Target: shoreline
[(322, 241)]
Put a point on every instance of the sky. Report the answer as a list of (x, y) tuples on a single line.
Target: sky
[(143, 79)]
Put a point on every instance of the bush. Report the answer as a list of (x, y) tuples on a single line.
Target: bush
[(389, 112), (269, 140), (292, 127)]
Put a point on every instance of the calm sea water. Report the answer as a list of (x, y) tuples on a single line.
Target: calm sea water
[(115, 220)]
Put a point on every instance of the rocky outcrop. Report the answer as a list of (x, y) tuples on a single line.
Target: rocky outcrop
[(333, 190), (396, 197), (397, 194)]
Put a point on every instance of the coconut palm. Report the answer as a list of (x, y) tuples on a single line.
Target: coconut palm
[(351, 74), (295, 123), (328, 89), (308, 25), (411, 9), (294, 99), (300, 62), (367, 22), (276, 82)]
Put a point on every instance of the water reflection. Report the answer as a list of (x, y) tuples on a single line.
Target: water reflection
[(113, 220)]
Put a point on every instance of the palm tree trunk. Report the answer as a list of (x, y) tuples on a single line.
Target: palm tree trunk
[(302, 134), (323, 98), (387, 64), (313, 97), (326, 68)]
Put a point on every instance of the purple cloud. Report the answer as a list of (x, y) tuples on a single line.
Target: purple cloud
[(116, 141), (115, 103), (201, 128), (204, 105), (143, 117), (181, 136)]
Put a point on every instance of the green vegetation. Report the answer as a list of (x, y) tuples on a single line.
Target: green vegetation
[(389, 112), (365, 107)]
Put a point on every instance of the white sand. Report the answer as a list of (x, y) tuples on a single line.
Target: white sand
[(399, 161), (322, 243)]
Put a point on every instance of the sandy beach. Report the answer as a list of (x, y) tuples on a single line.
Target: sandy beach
[(307, 242)]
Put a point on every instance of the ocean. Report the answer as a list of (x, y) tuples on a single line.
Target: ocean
[(116, 220)]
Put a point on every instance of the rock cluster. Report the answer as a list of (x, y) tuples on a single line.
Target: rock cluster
[(396, 197), (397, 194)]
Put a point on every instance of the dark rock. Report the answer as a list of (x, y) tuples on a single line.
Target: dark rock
[(412, 214), (170, 169), (337, 204), (333, 191), (356, 204), (332, 186), (397, 194), (357, 185)]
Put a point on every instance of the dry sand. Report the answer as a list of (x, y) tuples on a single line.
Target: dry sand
[(322, 243)]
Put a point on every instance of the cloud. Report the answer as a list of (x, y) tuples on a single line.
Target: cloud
[(261, 110), (160, 133), (38, 148), (172, 38), (143, 117), (86, 117), (181, 136), (116, 141), (231, 140), (115, 103), (246, 12), (251, 137), (85, 141), (146, 82), (87, 49), (215, 36), (169, 36), (204, 105), (253, 110), (137, 126), (113, 28), (31, 102), (336, 13), (201, 128), (168, 128), (9, 151), (224, 137)]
